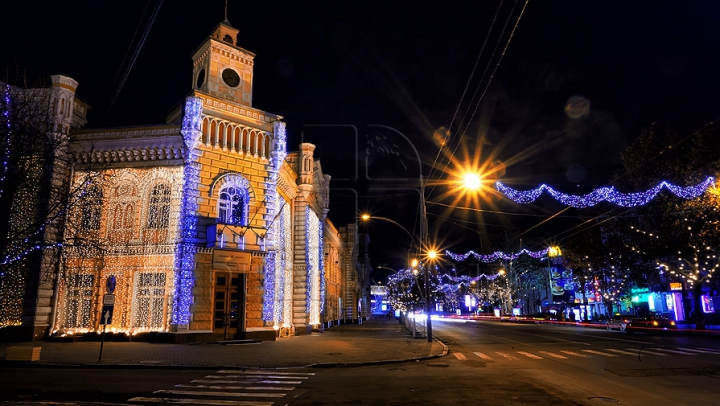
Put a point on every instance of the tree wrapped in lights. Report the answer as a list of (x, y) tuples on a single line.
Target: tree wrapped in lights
[(603, 266), (490, 290), (403, 292), (677, 238), (36, 197), (530, 282), (34, 193)]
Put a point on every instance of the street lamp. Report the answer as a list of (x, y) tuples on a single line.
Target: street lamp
[(471, 181), (367, 217)]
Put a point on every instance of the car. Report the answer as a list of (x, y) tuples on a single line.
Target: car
[(650, 324), (619, 321)]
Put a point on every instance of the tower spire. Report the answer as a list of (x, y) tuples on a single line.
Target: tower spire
[(226, 10)]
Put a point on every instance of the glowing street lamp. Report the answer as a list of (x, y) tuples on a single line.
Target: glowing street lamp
[(472, 181)]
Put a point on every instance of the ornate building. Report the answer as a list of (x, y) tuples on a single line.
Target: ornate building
[(201, 228), (34, 128)]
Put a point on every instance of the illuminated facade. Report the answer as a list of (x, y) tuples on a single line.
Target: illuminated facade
[(35, 130), (334, 246), (206, 227)]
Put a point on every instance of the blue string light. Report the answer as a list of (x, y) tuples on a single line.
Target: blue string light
[(608, 194), (8, 139), (497, 255), (321, 266), (313, 250), (185, 253), (272, 299)]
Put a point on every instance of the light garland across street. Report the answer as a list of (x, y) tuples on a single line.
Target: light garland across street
[(497, 255), (608, 194)]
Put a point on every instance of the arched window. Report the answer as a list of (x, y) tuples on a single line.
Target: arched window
[(232, 205), (159, 207), (123, 217), (91, 208), (129, 216), (227, 38)]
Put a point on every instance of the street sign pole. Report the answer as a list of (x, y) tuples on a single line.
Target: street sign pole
[(102, 339), (106, 318)]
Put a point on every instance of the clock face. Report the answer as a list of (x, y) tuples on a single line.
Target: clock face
[(230, 77)]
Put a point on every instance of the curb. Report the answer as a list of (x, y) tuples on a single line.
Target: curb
[(379, 362), (26, 364)]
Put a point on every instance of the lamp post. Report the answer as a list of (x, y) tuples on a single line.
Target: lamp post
[(432, 255), (368, 217)]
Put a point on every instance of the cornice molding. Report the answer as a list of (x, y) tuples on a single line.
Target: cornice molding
[(125, 145), (124, 133), (147, 154), (257, 116)]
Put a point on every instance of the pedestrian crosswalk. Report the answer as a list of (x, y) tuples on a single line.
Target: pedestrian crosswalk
[(231, 387), (586, 353)]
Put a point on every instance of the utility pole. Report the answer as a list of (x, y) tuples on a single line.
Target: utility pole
[(428, 305)]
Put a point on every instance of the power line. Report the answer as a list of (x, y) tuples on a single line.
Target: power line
[(137, 50), (467, 85), (487, 86)]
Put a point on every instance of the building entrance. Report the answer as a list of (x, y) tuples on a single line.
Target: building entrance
[(228, 314)]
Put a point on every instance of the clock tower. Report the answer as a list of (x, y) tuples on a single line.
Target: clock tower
[(222, 69)]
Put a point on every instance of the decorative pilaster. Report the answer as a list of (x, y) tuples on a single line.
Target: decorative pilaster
[(274, 265), (185, 253)]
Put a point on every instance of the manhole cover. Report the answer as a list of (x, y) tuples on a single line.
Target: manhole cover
[(334, 353), (603, 399), (396, 369), (438, 365)]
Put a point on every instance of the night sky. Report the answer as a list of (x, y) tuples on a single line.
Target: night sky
[(372, 84)]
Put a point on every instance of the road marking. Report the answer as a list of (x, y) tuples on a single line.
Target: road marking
[(483, 356), (714, 350), (149, 400), (643, 352), (508, 356), (226, 394), (604, 354), (694, 350), (247, 381), (574, 354), (527, 354), (674, 351), (558, 356), (460, 356), (555, 338), (620, 351), (226, 387), (257, 376), (225, 371), (507, 339)]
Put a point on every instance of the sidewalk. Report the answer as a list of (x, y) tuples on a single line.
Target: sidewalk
[(373, 341)]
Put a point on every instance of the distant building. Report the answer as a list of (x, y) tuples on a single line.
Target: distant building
[(356, 274)]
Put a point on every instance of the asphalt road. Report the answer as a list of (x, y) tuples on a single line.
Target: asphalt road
[(489, 363)]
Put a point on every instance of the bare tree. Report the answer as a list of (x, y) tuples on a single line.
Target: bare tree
[(35, 191)]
